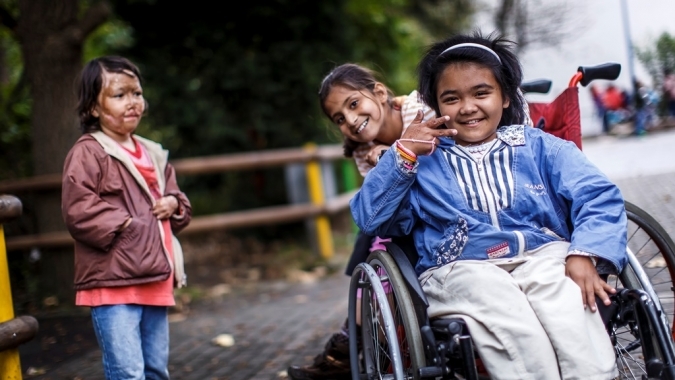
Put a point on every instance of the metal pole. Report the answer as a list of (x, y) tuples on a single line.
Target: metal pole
[(629, 47)]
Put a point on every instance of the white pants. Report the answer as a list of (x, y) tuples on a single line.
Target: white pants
[(526, 318)]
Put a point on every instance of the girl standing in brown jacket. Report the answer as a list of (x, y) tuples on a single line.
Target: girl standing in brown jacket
[(122, 205)]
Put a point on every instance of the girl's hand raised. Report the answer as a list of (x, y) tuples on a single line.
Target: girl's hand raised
[(420, 137)]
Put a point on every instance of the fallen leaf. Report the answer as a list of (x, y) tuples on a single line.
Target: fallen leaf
[(658, 262), (34, 371), (219, 290), (223, 340), (51, 301), (178, 317)]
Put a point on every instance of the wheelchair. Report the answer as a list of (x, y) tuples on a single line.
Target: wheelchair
[(397, 339)]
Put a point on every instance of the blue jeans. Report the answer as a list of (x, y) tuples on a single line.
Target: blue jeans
[(644, 118), (134, 340)]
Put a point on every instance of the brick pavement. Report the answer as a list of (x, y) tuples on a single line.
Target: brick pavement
[(281, 323), (273, 325)]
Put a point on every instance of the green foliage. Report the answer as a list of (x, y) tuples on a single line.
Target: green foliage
[(244, 80), (391, 35), (15, 102), (658, 58), (15, 108), (108, 38)]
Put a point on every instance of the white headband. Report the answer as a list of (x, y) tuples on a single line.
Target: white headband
[(470, 44)]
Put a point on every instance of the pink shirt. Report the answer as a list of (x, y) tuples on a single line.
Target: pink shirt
[(154, 293)]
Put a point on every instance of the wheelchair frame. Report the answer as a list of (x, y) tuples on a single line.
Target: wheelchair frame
[(442, 348)]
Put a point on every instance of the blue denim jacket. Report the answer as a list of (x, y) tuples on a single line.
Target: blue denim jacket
[(555, 193)]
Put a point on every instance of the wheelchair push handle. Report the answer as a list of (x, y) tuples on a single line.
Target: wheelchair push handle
[(587, 74), (540, 86)]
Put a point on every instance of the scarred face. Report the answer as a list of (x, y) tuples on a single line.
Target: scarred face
[(120, 105), (359, 114), (472, 97)]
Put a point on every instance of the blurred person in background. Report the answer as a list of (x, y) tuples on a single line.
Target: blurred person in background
[(646, 101), (669, 93)]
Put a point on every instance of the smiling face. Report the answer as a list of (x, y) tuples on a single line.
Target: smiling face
[(359, 114), (470, 95), (120, 105)]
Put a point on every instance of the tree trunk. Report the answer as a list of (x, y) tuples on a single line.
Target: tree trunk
[(52, 39), (52, 55)]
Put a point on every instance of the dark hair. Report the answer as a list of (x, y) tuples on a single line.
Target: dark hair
[(90, 83), (354, 77), (508, 72)]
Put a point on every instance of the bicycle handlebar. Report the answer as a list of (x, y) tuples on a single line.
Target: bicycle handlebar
[(587, 74)]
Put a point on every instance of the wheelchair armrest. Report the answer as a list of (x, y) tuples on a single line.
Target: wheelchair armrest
[(408, 273)]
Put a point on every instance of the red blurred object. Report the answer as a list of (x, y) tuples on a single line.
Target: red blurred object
[(560, 117)]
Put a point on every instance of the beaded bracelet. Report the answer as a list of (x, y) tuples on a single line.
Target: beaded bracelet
[(406, 157), (408, 166), (432, 142), (405, 153)]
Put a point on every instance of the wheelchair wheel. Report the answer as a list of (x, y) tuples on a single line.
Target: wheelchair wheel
[(650, 269), (634, 336), (403, 312), (390, 335), (655, 252)]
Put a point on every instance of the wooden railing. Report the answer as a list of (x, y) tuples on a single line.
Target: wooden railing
[(316, 208)]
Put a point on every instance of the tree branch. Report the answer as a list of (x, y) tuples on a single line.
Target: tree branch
[(503, 15), (6, 19), (95, 16)]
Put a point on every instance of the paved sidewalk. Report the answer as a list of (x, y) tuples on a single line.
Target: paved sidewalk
[(643, 168), (280, 324), (273, 325)]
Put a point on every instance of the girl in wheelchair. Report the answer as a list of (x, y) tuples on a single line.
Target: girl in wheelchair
[(508, 221)]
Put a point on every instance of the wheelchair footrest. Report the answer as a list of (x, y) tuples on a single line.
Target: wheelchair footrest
[(430, 372)]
